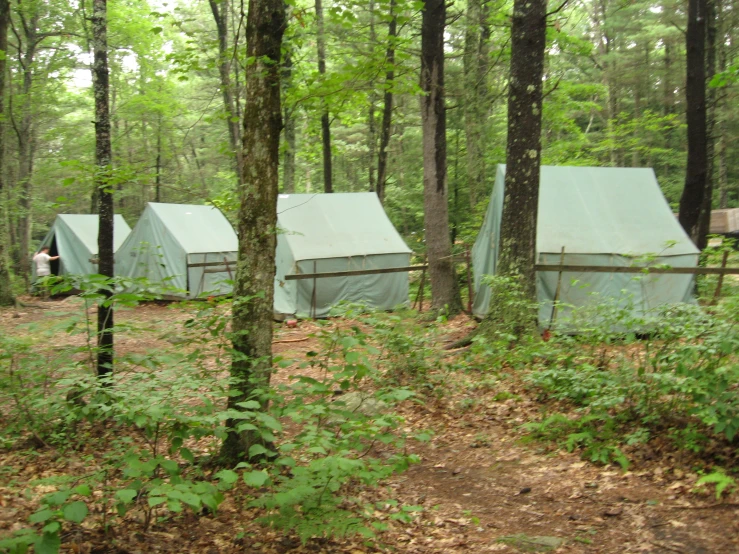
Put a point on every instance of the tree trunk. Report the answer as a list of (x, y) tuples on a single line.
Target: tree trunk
[(328, 185), (288, 149), (704, 221), (387, 103), (220, 10), (476, 93), (251, 366), (102, 182), (371, 120), (24, 130), (444, 286), (523, 149), (6, 293), (696, 174)]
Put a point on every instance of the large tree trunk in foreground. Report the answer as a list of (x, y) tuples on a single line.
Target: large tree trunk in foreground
[(444, 287), (6, 294), (102, 182), (693, 199), (251, 366), (523, 149)]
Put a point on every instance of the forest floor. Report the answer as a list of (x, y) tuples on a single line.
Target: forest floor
[(482, 488)]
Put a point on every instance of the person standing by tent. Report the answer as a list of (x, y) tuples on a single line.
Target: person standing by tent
[(43, 263)]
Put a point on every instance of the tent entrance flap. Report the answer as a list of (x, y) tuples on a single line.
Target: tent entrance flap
[(210, 272)]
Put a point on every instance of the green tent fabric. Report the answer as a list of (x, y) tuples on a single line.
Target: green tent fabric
[(601, 216), (74, 237), (320, 233), (187, 248)]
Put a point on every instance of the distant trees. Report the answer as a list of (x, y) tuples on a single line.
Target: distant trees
[(6, 293)]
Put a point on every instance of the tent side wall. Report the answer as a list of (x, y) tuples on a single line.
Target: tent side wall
[(381, 291), (210, 273), (485, 249), (150, 252), (286, 292), (640, 294)]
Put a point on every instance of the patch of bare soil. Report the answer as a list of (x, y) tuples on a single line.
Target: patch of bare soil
[(480, 487)]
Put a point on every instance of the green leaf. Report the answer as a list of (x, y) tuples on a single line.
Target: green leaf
[(227, 476), (48, 543), (256, 478), (156, 500), (126, 495), (75, 512), (52, 527), (187, 455), (258, 450), (82, 490), (43, 515)]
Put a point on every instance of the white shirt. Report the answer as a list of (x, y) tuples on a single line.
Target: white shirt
[(43, 267)]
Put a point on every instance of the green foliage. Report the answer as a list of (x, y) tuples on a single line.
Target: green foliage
[(310, 480), (629, 377), (722, 481)]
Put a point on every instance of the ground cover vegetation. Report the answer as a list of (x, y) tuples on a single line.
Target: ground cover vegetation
[(209, 427), (355, 402)]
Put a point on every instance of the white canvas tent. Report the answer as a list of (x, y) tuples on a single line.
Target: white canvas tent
[(321, 233), (603, 217), (74, 237), (187, 248)]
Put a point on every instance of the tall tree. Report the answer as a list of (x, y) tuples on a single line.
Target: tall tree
[(102, 181), (6, 293), (328, 183), (692, 201), (477, 91), (220, 10), (251, 323), (444, 286), (387, 102), (523, 149)]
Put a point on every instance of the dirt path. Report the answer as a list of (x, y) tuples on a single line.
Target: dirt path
[(481, 489)]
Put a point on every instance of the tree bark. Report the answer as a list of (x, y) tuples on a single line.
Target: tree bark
[(102, 182), (289, 147), (24, 130), (328, 185), (476, 92), (251, 366), (696, 174), (523, 149), (6, 293), (387, 103), (444, 286), (220, 10)]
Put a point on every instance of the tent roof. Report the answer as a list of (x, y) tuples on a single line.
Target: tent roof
[(197, 228), (85, 227), (337, 225), (605, 210)]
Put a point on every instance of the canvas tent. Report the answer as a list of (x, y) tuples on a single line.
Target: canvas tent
[(187, 248), (321, 233), (74, 237), (601, 216)]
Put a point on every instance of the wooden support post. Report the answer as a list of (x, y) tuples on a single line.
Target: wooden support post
[(717, 292), (313, 295), (559, 286), (470, 292)]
